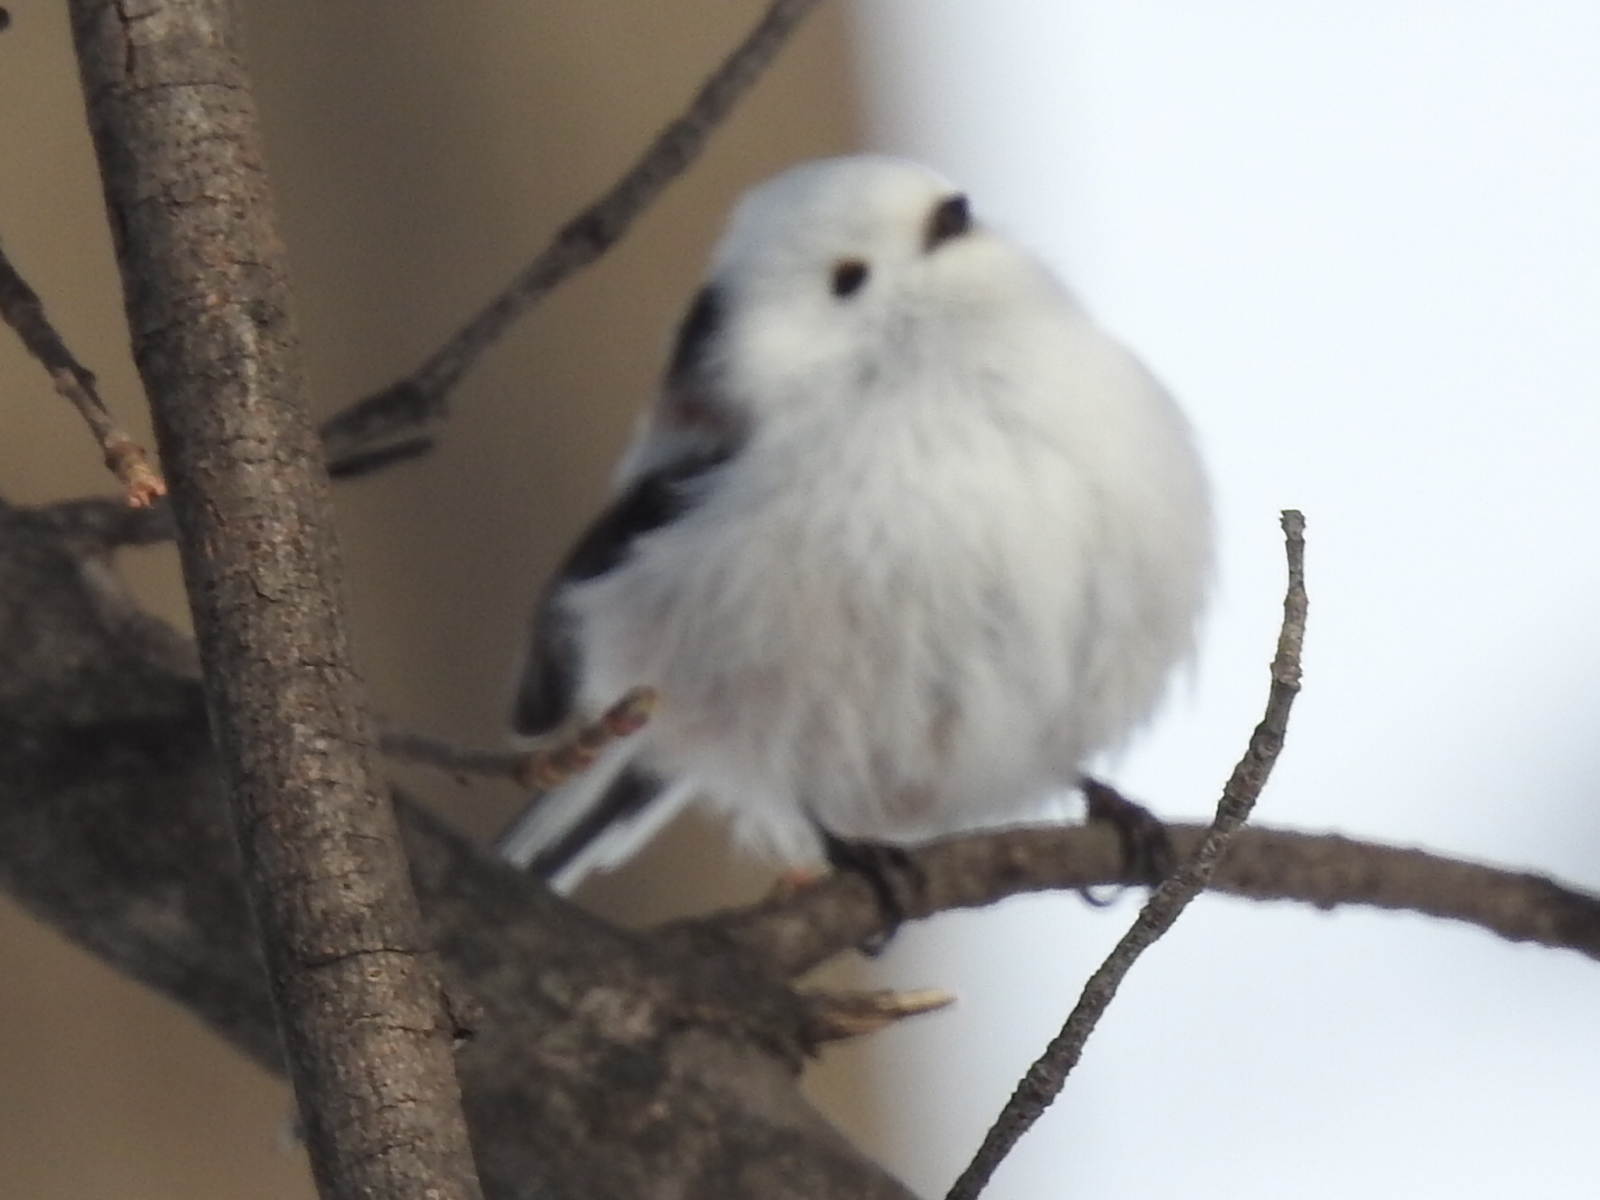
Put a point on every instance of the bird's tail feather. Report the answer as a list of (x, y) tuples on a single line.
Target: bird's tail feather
[(593, 822)]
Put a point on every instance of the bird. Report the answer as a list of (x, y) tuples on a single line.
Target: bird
[(903, 540)]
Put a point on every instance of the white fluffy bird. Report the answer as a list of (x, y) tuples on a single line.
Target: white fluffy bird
[(903, 540)]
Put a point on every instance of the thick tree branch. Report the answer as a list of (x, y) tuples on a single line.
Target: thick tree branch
[(353, 979), (600, 1065), (398, 422)]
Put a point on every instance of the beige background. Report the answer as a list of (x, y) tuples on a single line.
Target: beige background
[(421, 151)]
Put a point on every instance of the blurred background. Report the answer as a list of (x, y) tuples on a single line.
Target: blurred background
[(1357, 241)]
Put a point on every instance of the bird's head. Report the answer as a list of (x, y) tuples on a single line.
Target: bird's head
[(841, 267)]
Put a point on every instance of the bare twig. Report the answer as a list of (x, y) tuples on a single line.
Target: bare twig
[(840, 1016), (423, 749), (398, 422), (574, 754), (796, 930), (571, 754), (24, 312), (1045, 1078)]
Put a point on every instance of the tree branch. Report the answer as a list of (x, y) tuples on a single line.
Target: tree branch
[(599, 1064), (398, 422), (22, 309), (797, 931), (1044, 1079), (103, 523), (353, 980), (555, 761)]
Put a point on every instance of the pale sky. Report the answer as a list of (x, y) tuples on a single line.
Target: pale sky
[(1361, 243)]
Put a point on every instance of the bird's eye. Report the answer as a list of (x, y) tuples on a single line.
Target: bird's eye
[(950, 219), (848, 276)]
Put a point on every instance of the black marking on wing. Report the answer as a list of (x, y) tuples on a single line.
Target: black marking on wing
[(628, 795), (654, 500), (549, 686), (696, 335)]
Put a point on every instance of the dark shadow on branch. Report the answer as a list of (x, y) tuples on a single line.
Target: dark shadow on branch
[(102, 523)]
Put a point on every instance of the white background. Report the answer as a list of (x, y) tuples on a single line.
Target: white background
[(1361, 243)]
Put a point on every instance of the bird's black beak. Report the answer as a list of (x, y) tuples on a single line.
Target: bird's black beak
[(951, 218)]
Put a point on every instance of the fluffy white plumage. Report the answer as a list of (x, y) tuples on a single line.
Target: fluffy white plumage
[(911, 539)]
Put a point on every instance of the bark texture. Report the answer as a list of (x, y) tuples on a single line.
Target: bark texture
[(599, 1064), (207, 299)]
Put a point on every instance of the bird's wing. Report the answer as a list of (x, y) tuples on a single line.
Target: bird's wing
[(547, 693), (602, 816), (692, 429)]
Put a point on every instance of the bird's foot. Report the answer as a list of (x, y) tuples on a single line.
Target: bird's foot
[(1147, 853), (895, 879)]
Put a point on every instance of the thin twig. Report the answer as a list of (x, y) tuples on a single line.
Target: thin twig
[(398, 422), (574, 754), (798, 929), (543, 768), (424, 749), (1046, 1077), (24, 312), (842, 1016)]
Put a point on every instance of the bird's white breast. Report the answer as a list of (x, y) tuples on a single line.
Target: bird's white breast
[(929, 586)]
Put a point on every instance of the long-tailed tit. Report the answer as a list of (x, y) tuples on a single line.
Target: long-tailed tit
[(902, 541)]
